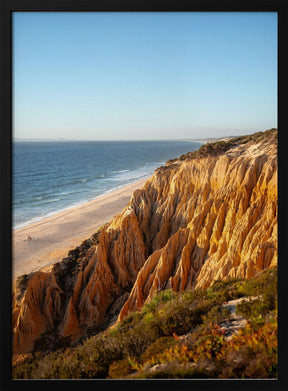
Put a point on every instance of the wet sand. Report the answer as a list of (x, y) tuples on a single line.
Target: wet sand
[(54, 236)]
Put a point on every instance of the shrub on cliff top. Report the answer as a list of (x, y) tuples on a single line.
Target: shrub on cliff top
[(219, 147), (251, 354)]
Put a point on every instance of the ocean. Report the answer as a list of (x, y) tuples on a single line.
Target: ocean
[(48, 177)]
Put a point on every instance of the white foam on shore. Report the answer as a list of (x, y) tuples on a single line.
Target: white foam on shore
[(126, 177), (77, 204)]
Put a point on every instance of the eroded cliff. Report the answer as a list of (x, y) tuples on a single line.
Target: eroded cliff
[(206, 216)]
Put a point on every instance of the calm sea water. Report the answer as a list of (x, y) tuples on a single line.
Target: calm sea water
[(52, 176)]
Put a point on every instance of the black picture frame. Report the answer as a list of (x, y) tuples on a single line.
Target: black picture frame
[(10, 6)]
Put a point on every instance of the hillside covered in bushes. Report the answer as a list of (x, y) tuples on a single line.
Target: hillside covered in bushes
[(183, 334)]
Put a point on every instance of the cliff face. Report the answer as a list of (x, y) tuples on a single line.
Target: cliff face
[(195, 221)]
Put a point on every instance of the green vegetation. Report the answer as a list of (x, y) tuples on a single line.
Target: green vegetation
[(209, 149), (177, 335), (219, 147), (21, 285), (268, 135), (22, 281)]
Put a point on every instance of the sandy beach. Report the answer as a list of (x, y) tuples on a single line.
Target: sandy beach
[(54, 236)]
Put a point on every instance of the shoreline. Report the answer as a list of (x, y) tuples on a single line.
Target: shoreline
[(54, 236), (35, 220)]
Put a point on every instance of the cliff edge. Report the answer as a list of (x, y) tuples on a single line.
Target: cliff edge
[(209, 215)]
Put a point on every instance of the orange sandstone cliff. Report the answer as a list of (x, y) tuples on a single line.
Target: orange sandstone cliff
[(208, 215)]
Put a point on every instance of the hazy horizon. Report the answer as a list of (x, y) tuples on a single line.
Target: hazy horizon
[(143, 76), (128, 140)]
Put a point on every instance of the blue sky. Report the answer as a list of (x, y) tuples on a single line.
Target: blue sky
[(107, 76)]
